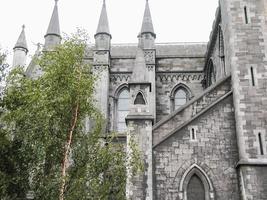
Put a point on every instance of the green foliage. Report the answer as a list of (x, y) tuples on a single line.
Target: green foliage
[(3, 70), (36, 117)]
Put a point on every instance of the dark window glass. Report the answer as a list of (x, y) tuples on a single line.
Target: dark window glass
[(246, 14), (252, 76), (260, 143)]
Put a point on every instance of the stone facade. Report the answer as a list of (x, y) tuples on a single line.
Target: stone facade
[(214, 151), (197, 110)]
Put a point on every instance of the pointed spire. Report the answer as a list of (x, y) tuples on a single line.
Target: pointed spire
[(33, 68), (103, 25), (22, 43), (147, 25), (53, 28), (139, 70)]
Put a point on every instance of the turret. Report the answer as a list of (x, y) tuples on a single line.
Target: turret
[(20, 50), (52, 36), (146, 41), (103, 36), (147, 35), (101, 61)]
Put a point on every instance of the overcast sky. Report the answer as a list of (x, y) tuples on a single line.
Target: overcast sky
[(174, 20)]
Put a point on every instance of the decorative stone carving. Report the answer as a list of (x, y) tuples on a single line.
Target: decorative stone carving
[(150, 67), (149, 57), (122, 77), (179, 76), (99, 67)]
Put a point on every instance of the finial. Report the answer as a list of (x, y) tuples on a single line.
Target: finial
[(23, 26), (104, 2), (56, 1), (38, 45)]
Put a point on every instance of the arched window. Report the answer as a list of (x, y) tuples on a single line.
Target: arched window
[(139, 99), (180, 94), (122, 109), (180, 98)]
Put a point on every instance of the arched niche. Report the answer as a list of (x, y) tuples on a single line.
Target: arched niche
[(139, 99)]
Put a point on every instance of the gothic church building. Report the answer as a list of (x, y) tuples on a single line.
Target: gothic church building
[(198, 111)]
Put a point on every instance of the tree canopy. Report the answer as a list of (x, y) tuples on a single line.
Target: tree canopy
[(45, 147)]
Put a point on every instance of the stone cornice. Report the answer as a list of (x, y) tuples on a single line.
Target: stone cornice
[(252, 162)]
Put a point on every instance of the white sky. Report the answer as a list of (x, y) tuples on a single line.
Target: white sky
[(174, 20)]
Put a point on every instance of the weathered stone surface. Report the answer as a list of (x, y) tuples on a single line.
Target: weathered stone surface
[(220, 135), (187, 112), (214, 150)]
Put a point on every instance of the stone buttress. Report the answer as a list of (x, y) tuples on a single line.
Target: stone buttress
[(147, 38), (139, 129), (245, 26)]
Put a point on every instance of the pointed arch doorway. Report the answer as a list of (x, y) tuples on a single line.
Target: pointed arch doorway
[(195, 185), (195, 189)]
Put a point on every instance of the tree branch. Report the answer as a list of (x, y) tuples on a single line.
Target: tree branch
[(67, 150)]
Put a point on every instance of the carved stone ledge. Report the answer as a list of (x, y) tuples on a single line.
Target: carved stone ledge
[(122, 77), (180, 76)]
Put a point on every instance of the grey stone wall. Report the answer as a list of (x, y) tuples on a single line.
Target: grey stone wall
[(174, 64), (182, 115), (255, 180), (171, 72), (140, 186), (165, 85), (180, 64), (122, 65), (215, 151)]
